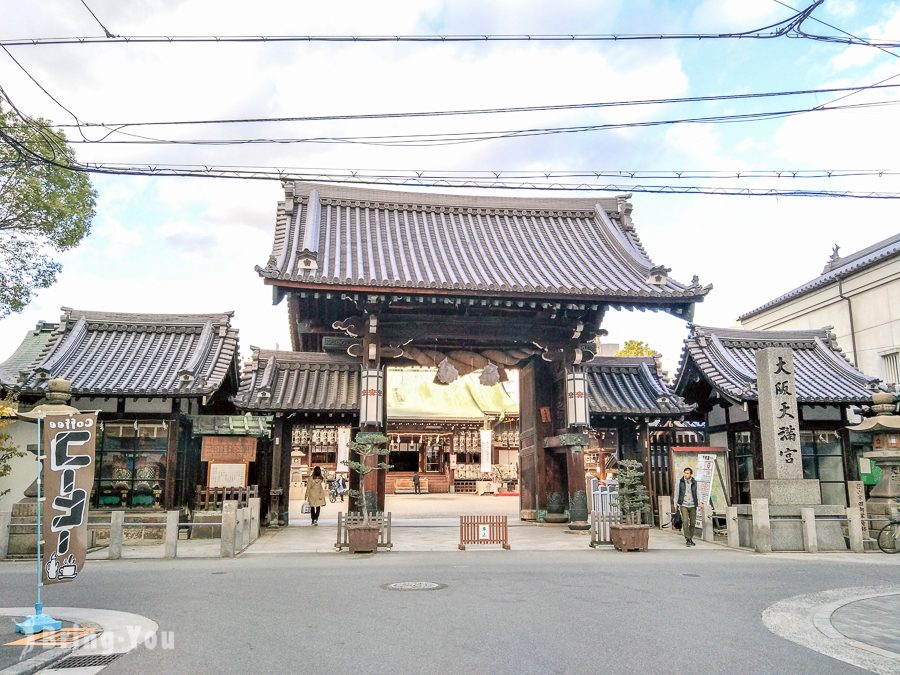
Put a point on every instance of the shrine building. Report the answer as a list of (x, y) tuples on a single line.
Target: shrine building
[(375, 281), (718, 375)]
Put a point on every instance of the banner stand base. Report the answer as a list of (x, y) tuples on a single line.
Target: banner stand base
[(37, 622)]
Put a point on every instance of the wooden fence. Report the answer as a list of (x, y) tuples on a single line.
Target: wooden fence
[(211, 499), (483, 530), (382, 519)]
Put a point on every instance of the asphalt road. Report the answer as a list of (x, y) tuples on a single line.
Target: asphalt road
[(501, 612)]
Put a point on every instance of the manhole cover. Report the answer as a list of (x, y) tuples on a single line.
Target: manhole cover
[(86, 661), (414, 586)]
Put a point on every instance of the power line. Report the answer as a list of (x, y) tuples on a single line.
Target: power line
[(774, 30), (477, 111), (495, 184), (100, 23), (213, 172), (455, 138), (313, 174)]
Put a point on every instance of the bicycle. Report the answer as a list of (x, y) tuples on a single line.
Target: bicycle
[(889, 537)]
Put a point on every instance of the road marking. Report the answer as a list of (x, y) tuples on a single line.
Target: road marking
[(57, 638)]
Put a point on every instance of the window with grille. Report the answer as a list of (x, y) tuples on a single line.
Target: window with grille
[(891, 365)]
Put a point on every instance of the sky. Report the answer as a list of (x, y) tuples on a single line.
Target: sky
[(191, 244)]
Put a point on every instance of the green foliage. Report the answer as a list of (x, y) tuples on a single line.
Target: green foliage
[(8, 451), (366, 445), (633, 498), (43, 208), (636, 348)]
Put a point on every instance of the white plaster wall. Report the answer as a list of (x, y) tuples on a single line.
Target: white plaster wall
[(719, 440), (716, 416), (95, 403), (875, 296), (24, 469), (154, 405), (814, 412)]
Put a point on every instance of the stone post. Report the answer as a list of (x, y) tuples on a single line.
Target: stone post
[(246, 517), (254, 518), (854, 526), (171, 544), (779, 424), (240, 517), (5, 519), (810, 536), (229, 521), (664, 507), (708, 532), (731, 522), (116, 534), (762, 530)]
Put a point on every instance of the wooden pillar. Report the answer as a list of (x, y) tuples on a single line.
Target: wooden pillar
[(535, 423), (644, 436), (171, 464)]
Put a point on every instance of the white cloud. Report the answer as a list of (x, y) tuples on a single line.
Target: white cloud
[(191, 245)]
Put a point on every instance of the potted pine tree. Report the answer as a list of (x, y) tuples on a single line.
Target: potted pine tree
[(363, 537), (630, 534)]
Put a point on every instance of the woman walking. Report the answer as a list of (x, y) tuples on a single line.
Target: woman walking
[(315, 494)]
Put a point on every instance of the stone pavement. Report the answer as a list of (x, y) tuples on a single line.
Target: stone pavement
[(858, 626), (873, 621)]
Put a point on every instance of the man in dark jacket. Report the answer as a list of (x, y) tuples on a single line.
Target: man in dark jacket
[(687, 503)]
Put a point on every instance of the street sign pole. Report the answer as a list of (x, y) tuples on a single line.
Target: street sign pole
[(37, 622)]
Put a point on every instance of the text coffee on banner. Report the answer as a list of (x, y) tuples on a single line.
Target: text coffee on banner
[(67, 475)]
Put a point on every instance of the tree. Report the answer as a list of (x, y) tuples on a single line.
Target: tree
[(370, 448), (636, 348), (43, 207), (8, 451)]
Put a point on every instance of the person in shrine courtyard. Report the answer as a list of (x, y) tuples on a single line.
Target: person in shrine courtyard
[(417, 483), (687, 503)]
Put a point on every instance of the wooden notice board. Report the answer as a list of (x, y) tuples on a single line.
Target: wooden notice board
[(234, 449)]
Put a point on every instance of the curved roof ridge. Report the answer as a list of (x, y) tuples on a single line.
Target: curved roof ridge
[(384, 196), (722, 356)]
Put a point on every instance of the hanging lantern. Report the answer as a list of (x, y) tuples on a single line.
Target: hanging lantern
[(371, 397), (487, 436), (577, 413)]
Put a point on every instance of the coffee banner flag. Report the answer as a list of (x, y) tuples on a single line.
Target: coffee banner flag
[(68, 445)]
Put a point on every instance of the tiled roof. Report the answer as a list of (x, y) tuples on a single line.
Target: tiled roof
[(836, 269), (375, 239), (726, 358), (26, 353), (630, 385), (276, 380), (117, 354)]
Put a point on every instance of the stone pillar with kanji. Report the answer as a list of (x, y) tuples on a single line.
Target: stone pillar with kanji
[(779, 423)]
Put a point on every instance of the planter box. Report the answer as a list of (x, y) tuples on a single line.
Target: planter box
[(362, 538), (630, 537)]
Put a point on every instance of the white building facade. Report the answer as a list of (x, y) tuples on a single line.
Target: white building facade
[(859, 296)]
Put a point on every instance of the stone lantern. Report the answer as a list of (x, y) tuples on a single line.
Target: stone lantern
[(885, 430)]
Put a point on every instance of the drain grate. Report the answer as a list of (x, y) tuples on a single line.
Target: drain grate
[(414, 586), (691, 575), (86, 661)]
